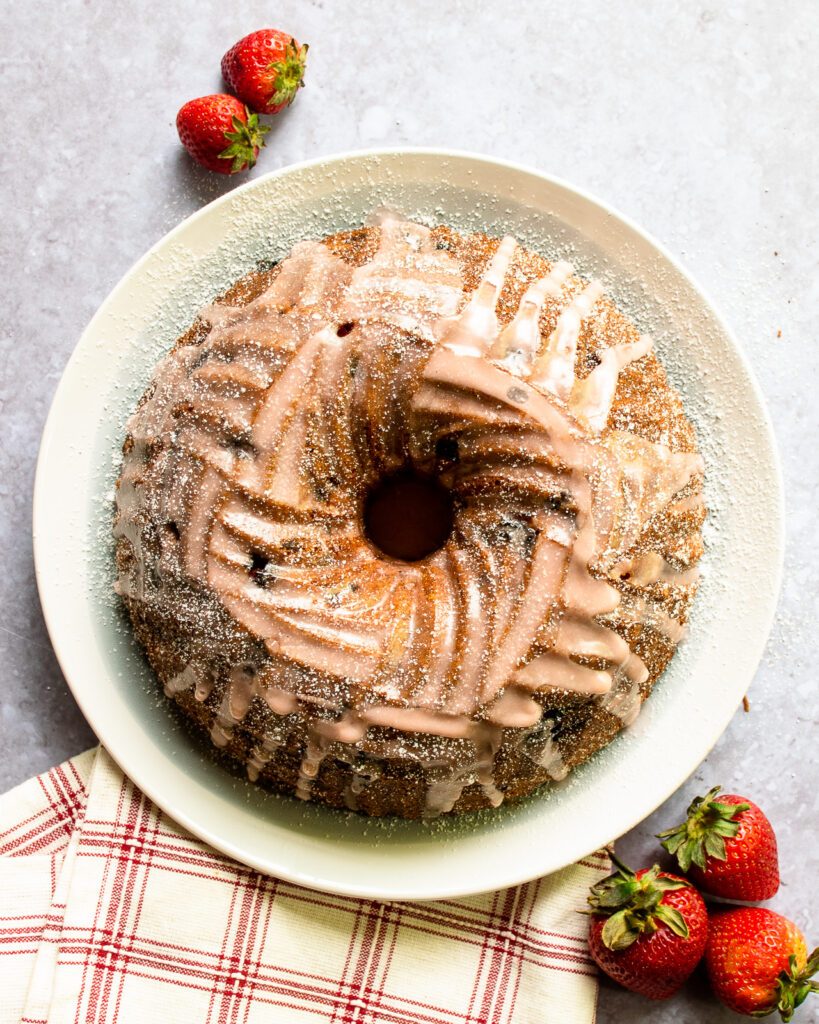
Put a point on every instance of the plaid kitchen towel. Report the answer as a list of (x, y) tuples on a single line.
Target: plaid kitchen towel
[(110, 913)]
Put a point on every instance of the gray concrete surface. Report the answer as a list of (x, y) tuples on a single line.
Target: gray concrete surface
[(696, 119)]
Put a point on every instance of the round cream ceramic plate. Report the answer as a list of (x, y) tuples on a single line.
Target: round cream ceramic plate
[(342, 852)]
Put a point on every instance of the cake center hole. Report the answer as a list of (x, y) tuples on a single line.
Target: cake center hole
[(408, 517)]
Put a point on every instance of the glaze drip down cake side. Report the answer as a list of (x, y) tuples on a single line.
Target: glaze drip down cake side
[(410, 522)]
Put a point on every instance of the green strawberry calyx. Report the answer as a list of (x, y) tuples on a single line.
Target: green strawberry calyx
[(708, 824), (287, 74), (794, 987), (246, 138), (634, 906)]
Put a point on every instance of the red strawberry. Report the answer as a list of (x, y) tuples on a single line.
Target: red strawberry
[(220, 133), (265, 69), (727, 847), (758, 962), (648, 930)]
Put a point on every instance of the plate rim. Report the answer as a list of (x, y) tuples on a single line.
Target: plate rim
[(51, 614)]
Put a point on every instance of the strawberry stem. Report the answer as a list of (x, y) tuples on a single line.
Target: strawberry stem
[(634, 905), (245, 139), (287, 74), (794, 986), (708, 824)]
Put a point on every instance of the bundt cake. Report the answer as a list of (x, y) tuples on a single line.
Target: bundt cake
[(409, 522)]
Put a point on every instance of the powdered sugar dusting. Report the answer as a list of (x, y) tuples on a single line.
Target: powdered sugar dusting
[(666, 308)]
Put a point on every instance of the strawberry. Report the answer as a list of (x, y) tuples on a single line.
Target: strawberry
[(758, 962), (648, 930), (265, 69), (220, 133), (727, 847)]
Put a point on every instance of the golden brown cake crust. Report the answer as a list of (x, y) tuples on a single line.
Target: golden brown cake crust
[(645, 404)]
